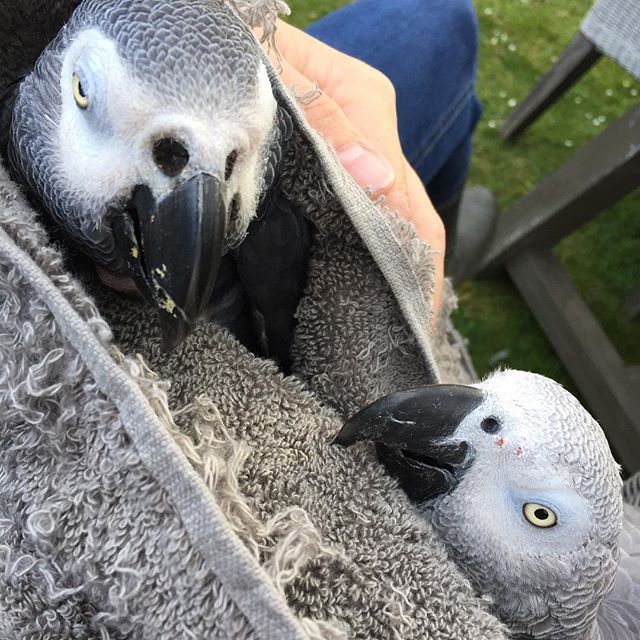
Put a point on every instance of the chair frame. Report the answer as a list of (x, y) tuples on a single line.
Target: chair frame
[(594, 178)]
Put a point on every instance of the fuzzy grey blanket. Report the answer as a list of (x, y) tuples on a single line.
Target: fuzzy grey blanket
[(195, 495)]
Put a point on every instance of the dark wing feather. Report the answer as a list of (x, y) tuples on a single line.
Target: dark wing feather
[(272, 260), (229, 306), (272, 264)]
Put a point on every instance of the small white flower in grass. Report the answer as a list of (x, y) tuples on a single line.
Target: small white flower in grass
[(494, 41), (626, 83), (609, 92), (504, 37), (512, 47), (634, 92), (502, 94), (512, 102), (578, 100), (568, 143), (492, 124), (488, 11)]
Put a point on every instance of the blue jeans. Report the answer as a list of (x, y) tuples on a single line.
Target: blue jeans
[(428, 49)]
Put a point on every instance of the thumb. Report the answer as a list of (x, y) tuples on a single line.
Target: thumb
[(369, 168)]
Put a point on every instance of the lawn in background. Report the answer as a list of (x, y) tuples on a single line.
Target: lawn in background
[(520, 39)]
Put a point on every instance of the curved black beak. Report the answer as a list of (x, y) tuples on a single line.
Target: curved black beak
[(415, 436), (173, 249)]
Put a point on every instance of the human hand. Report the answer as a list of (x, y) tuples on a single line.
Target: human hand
[(356, 114)]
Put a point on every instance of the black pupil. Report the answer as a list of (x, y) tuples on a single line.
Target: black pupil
[(81, 90), (231, 163), (541, 514), (490, 425)]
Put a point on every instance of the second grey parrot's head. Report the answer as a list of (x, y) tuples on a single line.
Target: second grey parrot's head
[(144, 130), (519, 482)]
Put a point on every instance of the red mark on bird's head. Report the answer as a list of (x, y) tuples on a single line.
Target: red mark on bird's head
[(500, 442), (519, 452)]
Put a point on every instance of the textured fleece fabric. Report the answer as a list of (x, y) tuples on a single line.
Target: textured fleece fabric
[(195, 494)]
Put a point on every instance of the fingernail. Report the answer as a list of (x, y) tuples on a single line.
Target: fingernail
[(369, 169)]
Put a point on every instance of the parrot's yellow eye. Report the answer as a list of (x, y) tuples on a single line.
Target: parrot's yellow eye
[(539, 515), (78, 93)]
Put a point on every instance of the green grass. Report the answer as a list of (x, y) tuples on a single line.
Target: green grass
[(520, 39)]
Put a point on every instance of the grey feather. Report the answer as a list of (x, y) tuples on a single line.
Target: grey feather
[(631, 490), (195, 62), (619, 614), (153, 44), (530, 448)]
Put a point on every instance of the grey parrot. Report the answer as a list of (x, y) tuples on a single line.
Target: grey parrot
[(149, 134), (518, 481)]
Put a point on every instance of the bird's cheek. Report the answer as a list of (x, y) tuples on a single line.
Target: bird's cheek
[(519, 451), (500, 442), (510, 447)]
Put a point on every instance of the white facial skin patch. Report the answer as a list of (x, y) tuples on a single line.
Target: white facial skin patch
[(105, 149)]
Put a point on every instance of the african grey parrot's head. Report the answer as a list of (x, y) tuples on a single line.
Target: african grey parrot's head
[(144, 130), (519, 482)]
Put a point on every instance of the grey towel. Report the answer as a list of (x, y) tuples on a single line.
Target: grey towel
[(614, 27), (195, 495)]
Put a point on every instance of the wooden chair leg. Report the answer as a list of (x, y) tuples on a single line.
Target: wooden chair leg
[(611, 390), (574, 62), (597, 176), (632, 304)]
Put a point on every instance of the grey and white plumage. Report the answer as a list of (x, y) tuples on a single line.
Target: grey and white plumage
[(476, 458), (619, 614), (151, 71), (186, 72)]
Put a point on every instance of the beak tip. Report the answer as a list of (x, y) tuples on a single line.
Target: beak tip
[(349, 434), (174, 331)]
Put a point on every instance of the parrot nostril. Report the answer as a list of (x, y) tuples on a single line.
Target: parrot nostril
[(171, 156), (490, 425)]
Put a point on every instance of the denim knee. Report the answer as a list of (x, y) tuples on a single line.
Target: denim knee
[(428, 49), (450, 28), (437, 108)]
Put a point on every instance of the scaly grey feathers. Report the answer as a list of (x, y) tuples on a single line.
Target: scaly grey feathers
[(519, 483), (149, 133)]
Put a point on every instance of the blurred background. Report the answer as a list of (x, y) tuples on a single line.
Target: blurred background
[(519, 41)]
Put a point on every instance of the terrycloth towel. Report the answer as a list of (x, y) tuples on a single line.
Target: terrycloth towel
[(614, 27), (195, 494)]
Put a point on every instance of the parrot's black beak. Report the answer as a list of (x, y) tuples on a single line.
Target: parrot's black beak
[(173, 248), (415, 435)]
